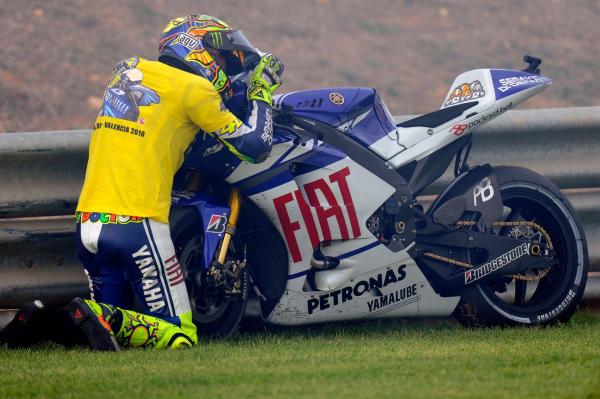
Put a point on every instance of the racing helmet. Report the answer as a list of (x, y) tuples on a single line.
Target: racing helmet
[(207, 46)]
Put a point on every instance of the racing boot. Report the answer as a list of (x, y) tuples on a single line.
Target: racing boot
[(92, 320), (138, 330), (26, 328)]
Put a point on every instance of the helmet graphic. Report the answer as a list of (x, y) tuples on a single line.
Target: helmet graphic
[(207, 47)]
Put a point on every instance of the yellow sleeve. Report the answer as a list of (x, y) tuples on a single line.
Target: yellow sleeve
[(204, 107)]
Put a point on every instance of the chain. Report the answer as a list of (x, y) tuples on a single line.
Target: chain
[(466, 265), (449, 260)]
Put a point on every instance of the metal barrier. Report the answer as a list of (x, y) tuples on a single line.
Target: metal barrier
[(41, 175)]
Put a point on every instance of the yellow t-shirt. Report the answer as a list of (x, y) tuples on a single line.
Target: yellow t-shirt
[(150, 115)]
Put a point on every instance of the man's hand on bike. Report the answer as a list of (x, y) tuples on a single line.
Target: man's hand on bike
[(265, 79)]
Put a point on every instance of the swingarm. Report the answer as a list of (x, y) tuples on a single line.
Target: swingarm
[(460, 241)]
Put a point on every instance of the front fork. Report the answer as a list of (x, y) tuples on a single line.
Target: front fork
[(229, 272), (234, 205)]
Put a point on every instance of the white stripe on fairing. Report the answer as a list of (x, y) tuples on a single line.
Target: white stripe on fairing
[(278, 99), (166, 250), (89, 233), (299, 150), (353, 122), (251, 169), (159, 266)]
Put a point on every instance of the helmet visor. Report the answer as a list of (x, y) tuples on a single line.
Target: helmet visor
[(241, 55)]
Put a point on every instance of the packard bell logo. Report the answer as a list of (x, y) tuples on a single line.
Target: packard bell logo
[(498, 263)]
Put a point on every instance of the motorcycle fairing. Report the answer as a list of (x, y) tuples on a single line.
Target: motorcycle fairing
[(315, 121), (288, 160), (507, 82), (480, 86), (305, 219), (362, 114), (397, 289), (214, 215), (333, 106)]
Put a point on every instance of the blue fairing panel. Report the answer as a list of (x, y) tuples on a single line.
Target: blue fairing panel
[(333, 106), (214, 216), (507, 82), (358, 112)]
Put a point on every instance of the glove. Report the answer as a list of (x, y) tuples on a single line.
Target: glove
[(265, 79)]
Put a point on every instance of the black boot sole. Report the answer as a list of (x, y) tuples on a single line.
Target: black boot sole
[(23, 331), (97, 335)]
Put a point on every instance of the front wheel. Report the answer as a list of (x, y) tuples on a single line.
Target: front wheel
[(534, 208), (216, 312)]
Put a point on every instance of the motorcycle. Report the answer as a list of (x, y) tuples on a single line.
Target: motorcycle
[(330, 226)]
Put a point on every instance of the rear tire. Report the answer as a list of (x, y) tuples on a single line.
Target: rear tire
[(552, 299)]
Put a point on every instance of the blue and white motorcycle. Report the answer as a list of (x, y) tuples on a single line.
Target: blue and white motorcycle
[(329, 227)]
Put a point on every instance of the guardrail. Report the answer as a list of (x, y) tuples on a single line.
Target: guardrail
[(41, 174)]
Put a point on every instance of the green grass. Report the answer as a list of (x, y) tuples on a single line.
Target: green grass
[(401, 359)]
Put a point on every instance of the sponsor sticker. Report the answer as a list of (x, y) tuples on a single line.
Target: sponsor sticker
[(346, 294), (465, 92), (458, 129), (508, 82), (187, 41), (217, 224), (323, 196), (106, 218), (394, 300), (336, 98), (514, 81), (484, 190), (556, 311), (153, 293), (488, 117), (496, 264)]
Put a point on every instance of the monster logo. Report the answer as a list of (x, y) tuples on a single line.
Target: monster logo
[(125, 93)]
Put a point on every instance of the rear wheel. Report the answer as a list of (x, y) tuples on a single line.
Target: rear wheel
[(534, 209), (216, 311)]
